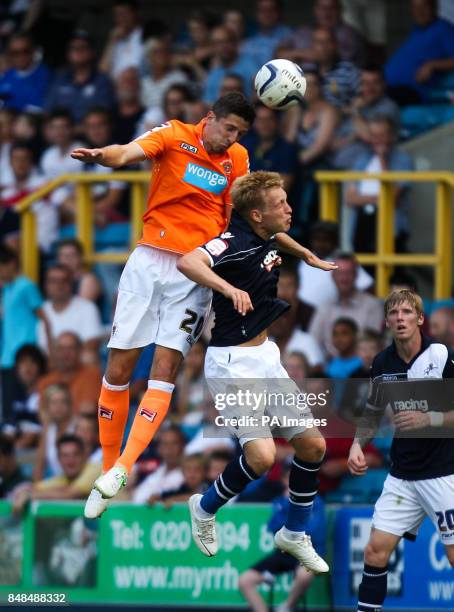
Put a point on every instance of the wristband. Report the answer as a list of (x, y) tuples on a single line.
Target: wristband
[(436, 419)]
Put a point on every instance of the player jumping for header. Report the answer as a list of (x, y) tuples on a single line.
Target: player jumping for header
[(241, 267)]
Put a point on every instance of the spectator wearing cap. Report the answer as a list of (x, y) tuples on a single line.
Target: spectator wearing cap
[(267, 149), (24, 86), (81, 87), (363, 308), (124, 48), (227, 59), (11, 474), (270, 32)]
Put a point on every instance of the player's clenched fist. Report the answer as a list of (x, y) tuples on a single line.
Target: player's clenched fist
[(241, 300), (356, 461), (89, 156)]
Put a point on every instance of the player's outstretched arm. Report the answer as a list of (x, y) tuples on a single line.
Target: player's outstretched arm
[(196, 266), (291, 247), (112, 156)]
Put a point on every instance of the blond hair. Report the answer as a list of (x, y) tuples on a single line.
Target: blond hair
[(248, 191), (396, 298)]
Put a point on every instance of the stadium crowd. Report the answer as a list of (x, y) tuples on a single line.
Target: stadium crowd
[(53, 334)]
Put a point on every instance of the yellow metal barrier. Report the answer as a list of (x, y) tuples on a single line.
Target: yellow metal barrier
[(385, 257), (85, 225)]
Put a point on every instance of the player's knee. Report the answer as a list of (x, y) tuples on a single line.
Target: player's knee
[(313, 449), (376, 555), (246, 580), (262, 462), (165, 368)]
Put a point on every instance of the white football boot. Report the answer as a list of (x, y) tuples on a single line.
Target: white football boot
[(203, 529), (302, 550), (105, 487)]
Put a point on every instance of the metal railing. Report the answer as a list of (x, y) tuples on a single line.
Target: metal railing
[(85, 225), (385, 256)]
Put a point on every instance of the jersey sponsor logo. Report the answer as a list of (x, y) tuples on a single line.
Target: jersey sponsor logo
[(205, 179), (227, 235), (105, 413), (411, 404), (272, 259), (188, 147), (147, 414), (216, 247)]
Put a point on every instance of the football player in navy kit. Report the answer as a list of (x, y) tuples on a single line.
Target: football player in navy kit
[(241, 266), (421, 479)]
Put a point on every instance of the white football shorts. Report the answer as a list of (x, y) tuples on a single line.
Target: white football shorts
[(404, 504), (157, 303), (233, 370)]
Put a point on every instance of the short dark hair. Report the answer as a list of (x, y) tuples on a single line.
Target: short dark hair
[(132, 4), (99, 110), (73, 242), (22, 36), (61, 268), (6, 446), (7, 255), (353, 325), (22, 145), (374, 68), (234, 103), (220, 455), (33, 352), (176, 430), (60, 113), (70, 439), (326, 227)]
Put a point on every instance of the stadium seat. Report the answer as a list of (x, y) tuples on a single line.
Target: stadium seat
[(418, 119)]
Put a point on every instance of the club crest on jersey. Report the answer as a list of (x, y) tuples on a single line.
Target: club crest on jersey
[(147, 414), (429, 369), (272, 258), (105, 413), (188, 147), (227, 166)]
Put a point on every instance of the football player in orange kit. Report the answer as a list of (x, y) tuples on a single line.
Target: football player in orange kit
[(188, 204)]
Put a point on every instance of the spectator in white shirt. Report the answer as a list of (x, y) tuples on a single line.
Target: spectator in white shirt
[(124, 48), (154, 86), (169, 474), (70, 313)]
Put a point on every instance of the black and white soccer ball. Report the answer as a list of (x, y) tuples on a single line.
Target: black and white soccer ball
[(280, 84)]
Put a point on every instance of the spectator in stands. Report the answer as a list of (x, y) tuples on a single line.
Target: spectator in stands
[(217, 462), (177, 103), (208, 439), (195, 56), (227, 59), (57, 418), (369, 344), (129, 111), (107, 196), (441, 324), (30, 365), (235, 21), (11, 474), (27, 128), (341, 79), (68, 312), (270, 32), (162, 73), (312, 129), (382, 155), (169, 474), (369, 18), (70, 253), (230, 83), (25, 180), (7, 116), (81, 87), (296, 366), (83, 380), (315, 288), (427, 53), (88, 431), (267, 149), (22, 307), (288, 287), (194, 468), (75, 481), (372, 102), (299, 47), (124, 48), (191, 384), (344, 335), (363, 308), (24, 86)]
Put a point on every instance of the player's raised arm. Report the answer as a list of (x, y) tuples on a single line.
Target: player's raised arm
[(196, 265), (112, 156), (291, 247)]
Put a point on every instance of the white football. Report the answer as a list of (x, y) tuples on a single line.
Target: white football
[(280, 84)]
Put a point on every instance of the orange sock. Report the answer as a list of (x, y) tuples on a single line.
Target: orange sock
[(113, 412), (151, 412)]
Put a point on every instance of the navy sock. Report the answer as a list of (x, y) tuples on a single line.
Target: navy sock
[(236, 476), (303, 487), (372, 590)]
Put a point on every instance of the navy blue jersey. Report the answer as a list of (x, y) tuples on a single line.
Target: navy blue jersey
[(415, 458), (247, 262)]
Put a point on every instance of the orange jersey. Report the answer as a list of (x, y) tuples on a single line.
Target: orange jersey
[(188, 203)]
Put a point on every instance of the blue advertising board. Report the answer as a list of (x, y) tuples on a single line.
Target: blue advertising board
[(420, 576)]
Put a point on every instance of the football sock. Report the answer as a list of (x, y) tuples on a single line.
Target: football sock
[(113, 409), (303, 487), (236, 476), (151, 412), (372, 590)]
